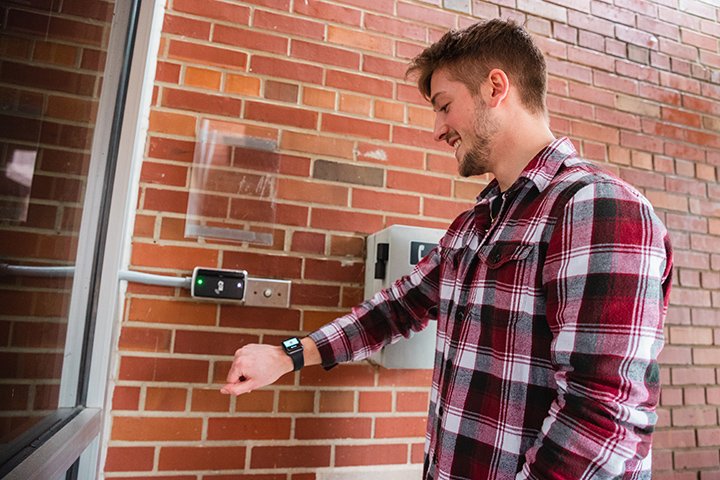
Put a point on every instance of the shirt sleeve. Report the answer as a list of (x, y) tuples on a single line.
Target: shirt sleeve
[(391, 314), (607, 278)]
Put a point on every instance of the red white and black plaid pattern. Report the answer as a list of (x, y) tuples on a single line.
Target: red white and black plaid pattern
[(549, 327)]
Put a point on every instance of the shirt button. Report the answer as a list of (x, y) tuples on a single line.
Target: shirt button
[(495, 257), (441, 411), (459, 314)]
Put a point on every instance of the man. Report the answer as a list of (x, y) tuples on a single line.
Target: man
[(549, 294)]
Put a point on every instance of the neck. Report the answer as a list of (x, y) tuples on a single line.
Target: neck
[(516, 146)]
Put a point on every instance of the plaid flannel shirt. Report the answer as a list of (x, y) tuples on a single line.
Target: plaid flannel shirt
[(549, 327)]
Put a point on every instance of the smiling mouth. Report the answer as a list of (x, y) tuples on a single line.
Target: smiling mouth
[(455, 143)]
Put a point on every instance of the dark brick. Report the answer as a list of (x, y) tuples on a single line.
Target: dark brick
[(340, 172), (285, 92)]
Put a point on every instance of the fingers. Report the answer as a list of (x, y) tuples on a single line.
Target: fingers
[(238, 388), (236, 370)]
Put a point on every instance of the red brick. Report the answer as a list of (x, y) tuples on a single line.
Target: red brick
[(373, 200), (126, 398), (709, 437), (284, 69), (137, 459), (170, 311), (381, 66), (296, 402), (345, 221), (186, 27), (395, 27), (248, 428), (209, 400), (395, 156), (583, 56), (431, 16), (172, 257), (165, 399), (375, 402), (337, 401), (352, 455), (206, 55), (347, 246), (171, 149), (405, 378), (263, 264), (201, 102), (156, 429), (163, 369), (332, 270), (256, 317), (694, 416), (325, 55), (359, 40), (317, 144), (697, 459), (328, 11), (359, 83), (308, 242), (234, 14), (276, 114), (415, 182), (164, 174), (257, 401), (290, 457), (250, 39), (355, 127), (343, 375), (332, 427), (289, 25), (202, 458), (569, 70), (400, 427), (210, 343), (145, 339), (318, 295), (412, 401)]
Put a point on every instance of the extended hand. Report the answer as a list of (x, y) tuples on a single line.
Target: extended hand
[(256, 366)]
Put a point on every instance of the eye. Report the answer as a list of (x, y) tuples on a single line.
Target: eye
[(444, 108)]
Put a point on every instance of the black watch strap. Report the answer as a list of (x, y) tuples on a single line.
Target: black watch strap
[(293, 347)]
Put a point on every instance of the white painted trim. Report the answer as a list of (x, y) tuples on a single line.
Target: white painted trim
[(104, 362), (89, 223), (53, 458)]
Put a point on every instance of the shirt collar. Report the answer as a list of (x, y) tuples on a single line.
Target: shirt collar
[(541, 169)]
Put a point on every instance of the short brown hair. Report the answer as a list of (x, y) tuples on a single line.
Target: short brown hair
[(469, 55)]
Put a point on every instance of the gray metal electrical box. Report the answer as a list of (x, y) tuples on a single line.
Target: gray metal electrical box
[(392, 253)]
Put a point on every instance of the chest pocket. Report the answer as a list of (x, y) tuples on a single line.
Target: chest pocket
[(501, 253)]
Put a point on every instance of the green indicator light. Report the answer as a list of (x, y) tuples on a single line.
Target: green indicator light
[(200, 281)]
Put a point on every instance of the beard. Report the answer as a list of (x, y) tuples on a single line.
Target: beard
[(476, 161)]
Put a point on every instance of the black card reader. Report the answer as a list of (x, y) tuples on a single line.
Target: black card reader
[(219, 284)]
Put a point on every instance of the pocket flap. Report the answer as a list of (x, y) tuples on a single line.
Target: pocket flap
[(498, 254)]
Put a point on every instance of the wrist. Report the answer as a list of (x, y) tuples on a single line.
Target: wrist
[(293, 348)]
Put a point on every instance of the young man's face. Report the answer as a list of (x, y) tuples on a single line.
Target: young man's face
[(463, 121)]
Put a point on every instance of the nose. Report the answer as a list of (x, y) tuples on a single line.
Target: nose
[(440, 130)]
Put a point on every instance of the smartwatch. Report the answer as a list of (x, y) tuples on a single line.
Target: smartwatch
[(294, 349)]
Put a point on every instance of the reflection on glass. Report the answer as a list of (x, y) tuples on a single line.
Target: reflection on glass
[(53, 56)]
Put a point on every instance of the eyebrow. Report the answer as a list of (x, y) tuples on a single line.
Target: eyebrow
[(434, 97)]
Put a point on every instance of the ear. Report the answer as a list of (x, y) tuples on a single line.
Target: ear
[(498, 86)]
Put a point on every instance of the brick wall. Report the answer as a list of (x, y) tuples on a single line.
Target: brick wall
[(52, 56), (634, 84)]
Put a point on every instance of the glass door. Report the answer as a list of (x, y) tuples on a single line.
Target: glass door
[(62, 80)]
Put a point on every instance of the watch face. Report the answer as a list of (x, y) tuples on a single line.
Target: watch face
[(291, 345)]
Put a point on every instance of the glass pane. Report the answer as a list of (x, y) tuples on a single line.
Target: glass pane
[(233, 185), (52, 55)]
